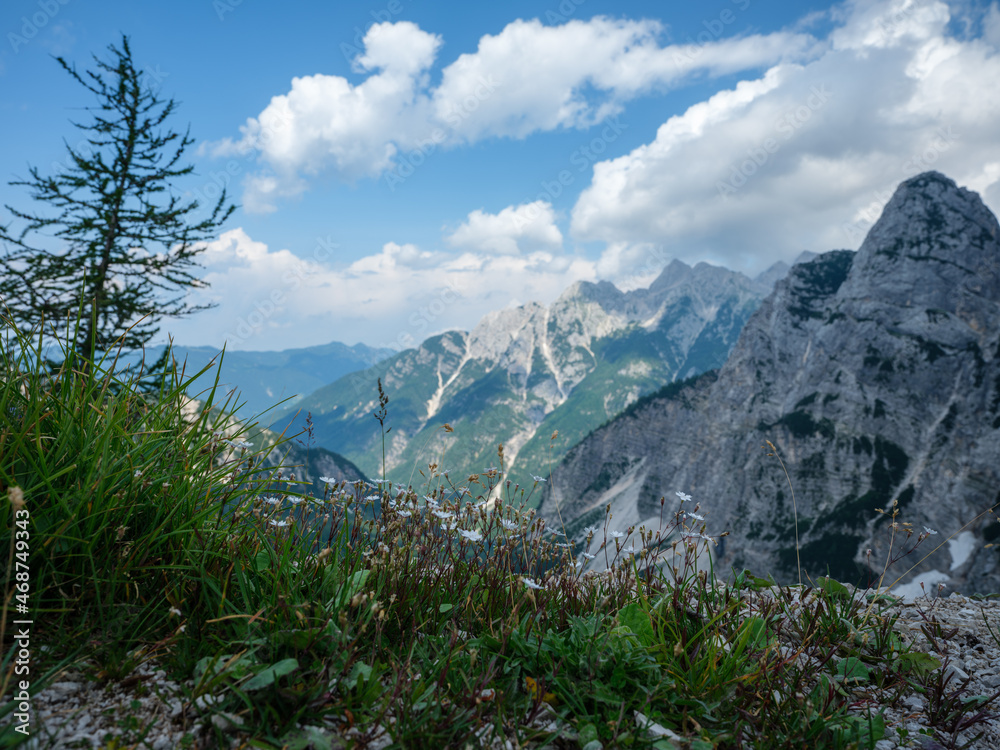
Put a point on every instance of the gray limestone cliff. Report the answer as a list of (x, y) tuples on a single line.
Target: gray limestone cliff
[(876, 375)]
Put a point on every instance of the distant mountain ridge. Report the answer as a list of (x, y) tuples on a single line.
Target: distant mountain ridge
[(524, 373), (877, 376), (261, 379)]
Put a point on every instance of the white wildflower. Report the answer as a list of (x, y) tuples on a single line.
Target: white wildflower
[(279, 524), (929, 531), (538, 479), (472, 536), (694, 515), (327, 480), (700, 536), (531, 584), (684, 498), (617, 534)]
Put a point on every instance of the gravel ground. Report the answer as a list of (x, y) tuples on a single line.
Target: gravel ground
[(147, 710)]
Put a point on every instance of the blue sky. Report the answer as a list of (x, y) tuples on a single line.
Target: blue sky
[(405, 167)]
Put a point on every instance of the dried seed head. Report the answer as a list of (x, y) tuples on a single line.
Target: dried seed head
[(16, 497)]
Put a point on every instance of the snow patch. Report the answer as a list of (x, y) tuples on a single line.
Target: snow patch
[(912, 590), (961, 548)]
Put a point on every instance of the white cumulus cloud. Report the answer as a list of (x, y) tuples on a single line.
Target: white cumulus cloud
[(397, 297), (806, 155), (528, 78), (516, 229)]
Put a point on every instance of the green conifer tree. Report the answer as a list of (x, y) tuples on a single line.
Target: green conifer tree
[(117, 239)]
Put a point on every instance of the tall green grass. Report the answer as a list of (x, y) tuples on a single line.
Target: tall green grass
[(445, 616)]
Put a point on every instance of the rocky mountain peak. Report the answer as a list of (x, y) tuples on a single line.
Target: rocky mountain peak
[(934, 246), (602, 293), (675, 273), (876, 374)]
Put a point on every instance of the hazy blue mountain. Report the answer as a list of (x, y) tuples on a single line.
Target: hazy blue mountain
[(263, 378)]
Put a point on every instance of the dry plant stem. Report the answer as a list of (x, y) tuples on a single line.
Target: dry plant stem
[(907, 571), (888, 554), (562, 524), (795, 510)]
